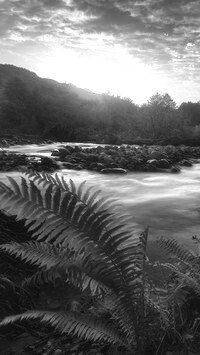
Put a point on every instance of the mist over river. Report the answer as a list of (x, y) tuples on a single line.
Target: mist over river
[(168, 203)]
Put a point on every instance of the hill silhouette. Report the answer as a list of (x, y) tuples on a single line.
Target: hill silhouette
[(30, 105)]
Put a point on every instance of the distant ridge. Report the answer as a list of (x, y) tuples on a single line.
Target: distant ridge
[(8, 71), (31, 104)]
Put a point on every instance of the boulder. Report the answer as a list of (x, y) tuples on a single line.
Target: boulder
[(156, 155), (175, 169), (48, 162), (2, 152), (55, 153), (67, 165), (63, 151), (93, 157), (164, 163), (113, 171), (185, 163), (152, 162)]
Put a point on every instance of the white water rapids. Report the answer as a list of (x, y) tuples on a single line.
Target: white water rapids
[(168, 203)]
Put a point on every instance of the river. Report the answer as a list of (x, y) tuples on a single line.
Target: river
[(168, 203)]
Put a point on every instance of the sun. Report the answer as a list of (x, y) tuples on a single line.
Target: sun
[(115, 72)]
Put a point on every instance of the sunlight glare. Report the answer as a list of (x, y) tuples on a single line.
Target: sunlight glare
[(113, 71)]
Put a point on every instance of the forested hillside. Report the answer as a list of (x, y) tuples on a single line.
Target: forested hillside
[(44, 107)]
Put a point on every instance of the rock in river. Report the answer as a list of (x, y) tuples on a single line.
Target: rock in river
[(113, 171)]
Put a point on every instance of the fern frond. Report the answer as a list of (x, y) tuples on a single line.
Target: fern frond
[(72, 275), (103, 235), (174, 248), (187, 259), (186, 278), (72, 323), (38, 253)]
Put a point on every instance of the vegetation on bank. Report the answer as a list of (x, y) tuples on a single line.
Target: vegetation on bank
[(103, 288), (63, 112)]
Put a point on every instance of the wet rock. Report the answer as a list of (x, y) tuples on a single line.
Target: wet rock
[(164, 163), (175, 169), (63, 152), (185, 163), (157, 155), (93, 157), (82, 155), (48, 162), (113, 171), (77, 167), (152, 163), (55, 153), (67, 165), (2, 153)]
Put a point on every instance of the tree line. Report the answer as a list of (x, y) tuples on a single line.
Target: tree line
[(54, 110)]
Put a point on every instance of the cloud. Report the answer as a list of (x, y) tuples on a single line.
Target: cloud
[(163, 34)]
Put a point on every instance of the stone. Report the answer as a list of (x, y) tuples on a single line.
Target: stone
[(55, 153), (92, 157), (77, 167), (2, 152), (63, 152), (48, 162), (185, 163), (67, 165), (164, 163), (175, 169), (152, 162), (113, 171)]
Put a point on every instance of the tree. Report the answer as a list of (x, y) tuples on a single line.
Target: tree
[(15, 106), (164, 102), (191, 113), (162, 115)]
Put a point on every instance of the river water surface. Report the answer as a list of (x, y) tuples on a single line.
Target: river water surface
[(168, 203)]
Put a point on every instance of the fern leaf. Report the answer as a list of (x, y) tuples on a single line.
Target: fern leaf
[(92, 198), (80, 190), (65, 185), (86, 327), (72, 186), (15, 185), (119, 267), (64, 203), (47, 196), (174, 248), (71, 207), (24, 187), (41, 254), (55, 203)]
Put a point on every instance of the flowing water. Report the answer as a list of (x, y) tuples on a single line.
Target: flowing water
[(168, 203)]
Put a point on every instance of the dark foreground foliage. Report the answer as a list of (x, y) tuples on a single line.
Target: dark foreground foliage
[(88, 277)]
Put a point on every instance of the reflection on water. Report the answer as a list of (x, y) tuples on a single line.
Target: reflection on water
[(169, 204)]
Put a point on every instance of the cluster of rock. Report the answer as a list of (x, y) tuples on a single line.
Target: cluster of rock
[(5, 142), (108, 159), (11, 161), (16, 162), (121, 159)]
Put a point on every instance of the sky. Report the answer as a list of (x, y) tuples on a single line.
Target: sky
[(130, 48)]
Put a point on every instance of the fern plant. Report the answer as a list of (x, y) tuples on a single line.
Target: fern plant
[(85, 240), (183, 296)]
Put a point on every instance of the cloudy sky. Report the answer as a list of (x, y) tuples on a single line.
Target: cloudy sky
[(132, 48)]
